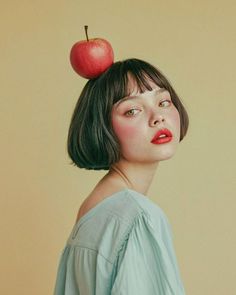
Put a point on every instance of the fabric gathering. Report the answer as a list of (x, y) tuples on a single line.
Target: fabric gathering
[(124, 245)]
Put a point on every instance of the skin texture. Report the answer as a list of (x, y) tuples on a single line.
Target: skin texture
[(136, 120)]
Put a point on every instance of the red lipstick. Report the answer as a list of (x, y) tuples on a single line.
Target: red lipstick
[(162, 136)]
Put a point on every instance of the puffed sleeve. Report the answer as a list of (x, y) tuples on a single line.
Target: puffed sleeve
[(147, 263)]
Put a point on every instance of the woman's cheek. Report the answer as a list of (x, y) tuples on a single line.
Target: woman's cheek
[(124, 131), (176, 121)]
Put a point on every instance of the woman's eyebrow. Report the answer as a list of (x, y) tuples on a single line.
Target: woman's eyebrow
[(129, 97)]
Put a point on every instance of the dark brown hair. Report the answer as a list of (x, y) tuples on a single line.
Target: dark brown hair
[(92, 143)]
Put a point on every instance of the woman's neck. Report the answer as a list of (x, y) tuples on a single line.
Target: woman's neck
[(135, 176)]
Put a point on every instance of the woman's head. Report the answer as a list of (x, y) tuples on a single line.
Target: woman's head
[(92, 142)]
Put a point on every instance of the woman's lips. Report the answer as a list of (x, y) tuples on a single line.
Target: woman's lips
[(162, 136)]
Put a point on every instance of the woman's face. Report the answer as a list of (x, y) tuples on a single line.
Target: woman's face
[(137, 118)]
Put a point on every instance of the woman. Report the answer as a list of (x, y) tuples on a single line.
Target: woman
[(126, 121)]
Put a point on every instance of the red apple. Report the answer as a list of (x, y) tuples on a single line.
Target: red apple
[(90, 58)]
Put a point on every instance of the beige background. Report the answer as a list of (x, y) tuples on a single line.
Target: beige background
[(194, 44)]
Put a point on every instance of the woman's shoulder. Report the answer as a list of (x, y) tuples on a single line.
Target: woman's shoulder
[(121, 200), (104, 227), (116, 216), (98, 196)]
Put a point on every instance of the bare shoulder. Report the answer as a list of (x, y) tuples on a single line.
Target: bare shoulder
[(99, 193)]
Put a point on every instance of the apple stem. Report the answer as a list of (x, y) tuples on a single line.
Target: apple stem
[(86, 32)]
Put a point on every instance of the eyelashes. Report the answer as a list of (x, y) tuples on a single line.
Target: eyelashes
[(131, 113), (134, 111), (165, 103)]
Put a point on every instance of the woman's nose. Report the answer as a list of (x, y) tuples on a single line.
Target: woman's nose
[(157, 119)]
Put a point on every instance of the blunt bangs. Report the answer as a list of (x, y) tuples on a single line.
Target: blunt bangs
[(116, 79)]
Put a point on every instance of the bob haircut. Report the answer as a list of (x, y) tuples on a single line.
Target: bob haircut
[(91, 142)]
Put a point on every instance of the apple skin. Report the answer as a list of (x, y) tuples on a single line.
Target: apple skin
[(90, 58)]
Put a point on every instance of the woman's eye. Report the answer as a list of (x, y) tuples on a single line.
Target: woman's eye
[(131, 112), (165, 103)]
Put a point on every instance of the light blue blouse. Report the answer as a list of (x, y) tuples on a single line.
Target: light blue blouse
[(122, 246)]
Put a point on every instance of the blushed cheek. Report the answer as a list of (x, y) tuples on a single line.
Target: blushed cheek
[(124, 132)]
